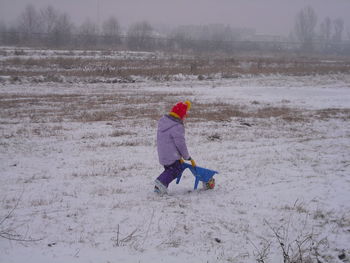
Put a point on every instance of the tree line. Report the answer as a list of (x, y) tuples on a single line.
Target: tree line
[(329, 35), (50, 28)]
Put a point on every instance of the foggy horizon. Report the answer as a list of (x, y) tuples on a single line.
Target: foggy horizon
[(272, 17)]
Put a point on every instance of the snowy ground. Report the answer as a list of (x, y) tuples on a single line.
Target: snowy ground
[(77, 164)]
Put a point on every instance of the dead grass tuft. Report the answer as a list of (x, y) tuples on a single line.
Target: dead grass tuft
[(333, 113), (120, 133), (217, 111), (214, 137), (287, 114), (224, 112)]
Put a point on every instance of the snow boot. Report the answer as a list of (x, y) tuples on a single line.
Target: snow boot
[(159, 188)]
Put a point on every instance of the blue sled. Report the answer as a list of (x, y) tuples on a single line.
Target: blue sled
[(201, 174)]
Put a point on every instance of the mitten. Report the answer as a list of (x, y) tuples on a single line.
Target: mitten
[(193, 163)]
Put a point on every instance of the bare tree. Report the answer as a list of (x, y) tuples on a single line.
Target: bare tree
[(219, 36), (29, 23), (48, 20), (326, 29), (88, 32), (326, 33), (338, 30), (305, 24), (3, 35), (182, 37), (111, 31), (63, 30), (88, 28), (140, 36)]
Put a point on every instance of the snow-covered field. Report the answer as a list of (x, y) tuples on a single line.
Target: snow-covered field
[(78, 161)]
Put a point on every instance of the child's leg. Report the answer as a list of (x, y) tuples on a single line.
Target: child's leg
[(170, 173)]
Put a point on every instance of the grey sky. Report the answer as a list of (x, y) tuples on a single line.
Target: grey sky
[(266, 16)]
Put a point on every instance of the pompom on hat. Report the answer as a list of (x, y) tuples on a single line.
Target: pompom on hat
[(180, 109)]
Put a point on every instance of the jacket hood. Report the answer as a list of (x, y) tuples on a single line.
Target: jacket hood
[(167, 122)]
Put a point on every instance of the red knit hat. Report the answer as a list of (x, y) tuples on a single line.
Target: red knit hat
[(180, 109)]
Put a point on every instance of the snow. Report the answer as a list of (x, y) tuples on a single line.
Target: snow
[(78, 181)]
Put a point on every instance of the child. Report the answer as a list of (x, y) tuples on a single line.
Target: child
[(171, 146)]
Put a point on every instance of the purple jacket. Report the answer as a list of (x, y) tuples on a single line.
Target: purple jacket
[(171, 143)]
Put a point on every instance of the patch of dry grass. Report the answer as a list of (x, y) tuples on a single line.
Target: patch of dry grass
[(84, 108), (224, 112), (161, 68), (126, 105), (333, 113)]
